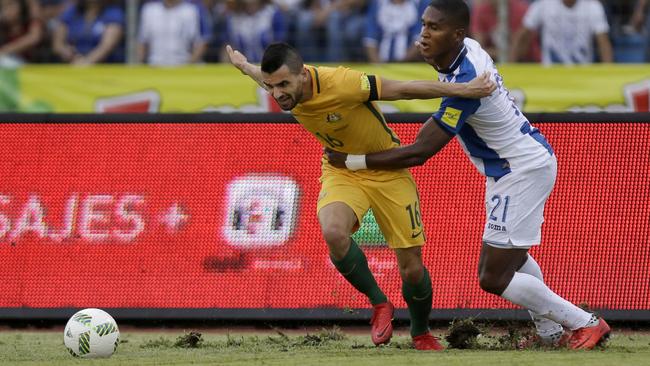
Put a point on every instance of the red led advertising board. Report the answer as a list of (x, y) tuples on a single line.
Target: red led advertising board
[(223, 215)]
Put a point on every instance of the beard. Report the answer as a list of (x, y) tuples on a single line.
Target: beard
[(291, 101), (288, 104)]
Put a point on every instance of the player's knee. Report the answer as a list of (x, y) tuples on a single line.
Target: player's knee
[(337, 240), (412, 272), (492, 282)]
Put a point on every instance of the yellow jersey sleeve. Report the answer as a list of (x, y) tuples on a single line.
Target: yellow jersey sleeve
[(358, 86)]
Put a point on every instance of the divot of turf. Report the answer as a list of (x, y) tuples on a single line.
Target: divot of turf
[(189, 340), (463, 334)]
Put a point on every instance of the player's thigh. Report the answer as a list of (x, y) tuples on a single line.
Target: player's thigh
[(494, 261), (396, 206), (515, 207), (341, 202)]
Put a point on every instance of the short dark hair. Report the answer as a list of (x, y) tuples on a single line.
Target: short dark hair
[(278, 54), (456, 10)]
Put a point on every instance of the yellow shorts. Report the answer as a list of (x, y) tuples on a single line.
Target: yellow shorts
[(393, 197)]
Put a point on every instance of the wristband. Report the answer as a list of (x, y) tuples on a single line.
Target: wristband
[(356, 162)]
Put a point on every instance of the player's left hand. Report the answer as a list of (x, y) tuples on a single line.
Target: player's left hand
[(236, 58), (481, 86), (335, 158)]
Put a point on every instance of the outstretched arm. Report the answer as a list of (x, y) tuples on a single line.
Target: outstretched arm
[(430, 139), (241, 62), (479, 87)]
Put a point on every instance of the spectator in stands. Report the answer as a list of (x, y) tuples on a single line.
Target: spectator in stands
[(20, 29), (90, 32), (288, 6), (346, 25), (626, 19), (51, 11), (331, 30), (217, 11), (173, 32), (639, 15), (392, 29), (310, 29), (485, 22), (291, 10), (640, 21), (254, 25), (568, 29)]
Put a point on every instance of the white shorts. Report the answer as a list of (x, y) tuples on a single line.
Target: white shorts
[(515, 207)]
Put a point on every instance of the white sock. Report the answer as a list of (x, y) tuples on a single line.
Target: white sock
[(531, 293), (548, 330)]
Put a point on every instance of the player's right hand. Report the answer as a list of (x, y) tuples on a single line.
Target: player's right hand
[(335, 158), (481, 86), (236, 58)]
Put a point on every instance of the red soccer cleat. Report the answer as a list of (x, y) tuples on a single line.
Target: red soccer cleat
[(589, 337), (427, 342), (536, 341), (382, 323)]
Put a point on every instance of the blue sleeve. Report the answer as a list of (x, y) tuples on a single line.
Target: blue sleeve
[(113, 14), (373, 31), (205, 23), (454, 111), (68, 14), (279, 26)]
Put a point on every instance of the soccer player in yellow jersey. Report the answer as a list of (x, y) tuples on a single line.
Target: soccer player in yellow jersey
[(337, 106)]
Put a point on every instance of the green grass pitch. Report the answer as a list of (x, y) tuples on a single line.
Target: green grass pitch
[(329, 346)]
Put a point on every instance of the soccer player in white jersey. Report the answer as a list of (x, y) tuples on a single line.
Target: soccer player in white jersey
[(519, 165)]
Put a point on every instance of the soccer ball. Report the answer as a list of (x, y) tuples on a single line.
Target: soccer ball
[(91, 333)]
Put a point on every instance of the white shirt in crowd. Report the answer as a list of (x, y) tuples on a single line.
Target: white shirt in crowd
[(567, 33), (170, 33)]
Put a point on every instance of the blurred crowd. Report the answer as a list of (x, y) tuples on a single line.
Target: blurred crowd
[(176, 32)]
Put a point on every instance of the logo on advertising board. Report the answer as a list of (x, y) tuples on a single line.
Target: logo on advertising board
[(261, 210), (143, 102), (637, 99)]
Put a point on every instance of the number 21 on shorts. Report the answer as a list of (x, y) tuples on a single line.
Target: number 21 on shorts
[(496, 201)]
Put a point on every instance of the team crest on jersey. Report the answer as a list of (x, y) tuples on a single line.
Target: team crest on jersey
[(451, 116), (333, 117)]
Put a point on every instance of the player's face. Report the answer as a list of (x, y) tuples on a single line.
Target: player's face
[(438, 36), (285, 87)]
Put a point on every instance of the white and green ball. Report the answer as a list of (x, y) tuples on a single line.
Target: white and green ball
[(91, 333)]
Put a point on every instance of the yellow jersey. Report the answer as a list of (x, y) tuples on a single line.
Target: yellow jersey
[(342, 113)]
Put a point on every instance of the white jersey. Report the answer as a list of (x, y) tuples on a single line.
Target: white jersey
[(567, 33), (494, 133), (171, 32)]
